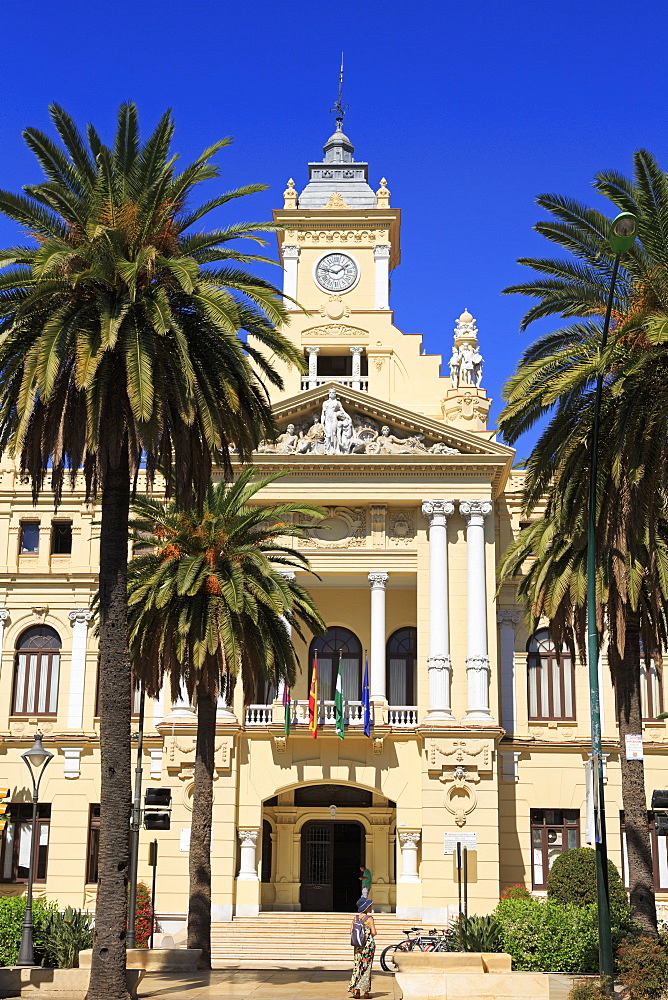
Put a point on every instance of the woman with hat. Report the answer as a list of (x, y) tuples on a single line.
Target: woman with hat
[(360, 981)]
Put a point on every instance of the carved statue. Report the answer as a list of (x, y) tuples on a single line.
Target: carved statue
[(455, 361), (332, 413), (334, 431)]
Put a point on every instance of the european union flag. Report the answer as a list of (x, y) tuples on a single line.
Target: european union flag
[(366, 701)]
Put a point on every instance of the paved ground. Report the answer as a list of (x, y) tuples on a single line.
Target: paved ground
[(269, 985)]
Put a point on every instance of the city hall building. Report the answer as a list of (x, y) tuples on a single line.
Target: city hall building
[(480, 731)]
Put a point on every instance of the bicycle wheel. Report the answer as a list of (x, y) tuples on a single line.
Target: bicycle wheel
[(387, 963), (426, 944)]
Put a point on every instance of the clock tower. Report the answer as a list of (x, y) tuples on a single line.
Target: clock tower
[(338, 245)]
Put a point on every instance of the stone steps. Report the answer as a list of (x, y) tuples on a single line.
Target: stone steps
[(295, 940)]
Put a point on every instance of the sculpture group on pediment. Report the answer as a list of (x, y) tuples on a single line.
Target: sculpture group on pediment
[(333, 431), (466, 366)]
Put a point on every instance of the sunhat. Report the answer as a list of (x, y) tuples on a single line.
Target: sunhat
[(363, 905)]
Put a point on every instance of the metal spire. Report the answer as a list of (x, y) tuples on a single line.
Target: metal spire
[(339, 107)]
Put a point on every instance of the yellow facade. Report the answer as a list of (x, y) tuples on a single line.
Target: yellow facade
[(417, 517)]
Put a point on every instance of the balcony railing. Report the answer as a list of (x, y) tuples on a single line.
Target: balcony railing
[(359, 382), (399, 716)]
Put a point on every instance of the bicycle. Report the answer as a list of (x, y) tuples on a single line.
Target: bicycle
[(433, 941)]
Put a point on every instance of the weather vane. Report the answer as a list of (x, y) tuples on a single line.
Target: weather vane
[(340, 108)]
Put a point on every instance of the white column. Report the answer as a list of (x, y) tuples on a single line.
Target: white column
[(79, 618), (290, 264), (357, 356), (159, 706), (313, 353), (248, 865), (507, 621), (381, 256), (438, 661), (409, 840), (377, 660), (477, 660)]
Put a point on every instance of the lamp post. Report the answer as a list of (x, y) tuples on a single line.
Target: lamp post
[(622, 235), (36, 760), (131, 936)]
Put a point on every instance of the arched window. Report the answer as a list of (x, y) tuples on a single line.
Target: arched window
[(400, 664), (551, 679), (337, 642), (36, 671)]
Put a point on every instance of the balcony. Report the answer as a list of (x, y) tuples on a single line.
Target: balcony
[(358, 382), (398, 716)]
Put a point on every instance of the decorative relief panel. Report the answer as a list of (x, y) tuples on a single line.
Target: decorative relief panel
[(475, 752), (341, 528), (334, 330), (369, 237), (460, 763), (378, 526), (401, 529)]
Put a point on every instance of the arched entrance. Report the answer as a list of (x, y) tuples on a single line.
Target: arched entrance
[(331, 855)]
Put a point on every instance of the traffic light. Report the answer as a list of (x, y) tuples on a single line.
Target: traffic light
[(157, 808), (4, 794)]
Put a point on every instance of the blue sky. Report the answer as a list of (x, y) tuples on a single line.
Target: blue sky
[(469, 109)]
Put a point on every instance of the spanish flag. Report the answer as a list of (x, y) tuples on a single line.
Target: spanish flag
[(313, 699)]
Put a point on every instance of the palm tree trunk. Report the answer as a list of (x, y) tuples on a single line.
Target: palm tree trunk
[(107, 979), (199, 903), (626, 676)]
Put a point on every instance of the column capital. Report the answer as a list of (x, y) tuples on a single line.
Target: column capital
[(291, 252), (507, 617), (381, 251), (289, 575), (439, 661), (409, 838), (436, 508), (378, 580), (356, 349), (475, 508), (313, 350), (4, 614), (80, 616), (248, 838)]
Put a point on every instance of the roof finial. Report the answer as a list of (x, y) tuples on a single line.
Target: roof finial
[(339, 107)]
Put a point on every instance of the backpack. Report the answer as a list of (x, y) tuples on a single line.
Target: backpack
[(358, 934)]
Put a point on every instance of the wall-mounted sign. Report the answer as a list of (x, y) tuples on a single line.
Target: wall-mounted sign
[(467, 840), (634, 749)]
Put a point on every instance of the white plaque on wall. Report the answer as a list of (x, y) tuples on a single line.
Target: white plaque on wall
[(467, 840), (634, 749)]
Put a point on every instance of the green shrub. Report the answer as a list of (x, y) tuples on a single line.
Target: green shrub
[(643, 968), (588, 989), (479, 933), (63, 935), (572, 879), (12, 912), (544, 936)]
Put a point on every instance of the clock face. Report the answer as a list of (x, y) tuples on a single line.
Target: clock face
[(336, 272)]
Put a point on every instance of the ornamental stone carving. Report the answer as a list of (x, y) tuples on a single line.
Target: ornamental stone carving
[(442, 508), (80, 616), (475, 508), (466, 360), (332, 430), (476, 753), (402, 528), (368, 237), (342, 527), (378, 580)]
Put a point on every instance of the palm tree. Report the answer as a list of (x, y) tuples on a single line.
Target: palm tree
[(549, 560), (121, 348), (207, 601)]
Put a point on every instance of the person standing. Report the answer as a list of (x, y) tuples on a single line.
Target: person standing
[(365, 879), (360, 981)]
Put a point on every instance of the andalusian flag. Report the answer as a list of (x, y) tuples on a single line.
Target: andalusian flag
[(338, 702), (286, 708), (313, 699)]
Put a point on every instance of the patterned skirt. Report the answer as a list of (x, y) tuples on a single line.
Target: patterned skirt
[(361, 977)]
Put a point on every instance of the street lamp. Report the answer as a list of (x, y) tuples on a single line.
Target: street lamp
[(37, 760), (622, 234)]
